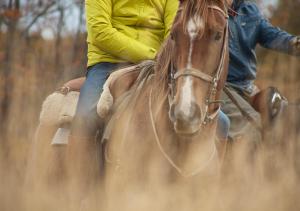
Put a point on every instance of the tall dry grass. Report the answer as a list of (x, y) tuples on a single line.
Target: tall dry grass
[(34, 75)]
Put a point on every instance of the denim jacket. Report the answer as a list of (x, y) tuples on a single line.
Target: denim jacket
[(247, 29)]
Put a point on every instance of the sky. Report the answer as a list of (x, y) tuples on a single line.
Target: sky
[(265, 4)]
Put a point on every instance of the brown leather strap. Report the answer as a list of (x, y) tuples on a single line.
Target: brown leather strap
[(244, 113), (196, 73)]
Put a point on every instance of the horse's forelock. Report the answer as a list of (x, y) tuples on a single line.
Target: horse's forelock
[(199, 8)]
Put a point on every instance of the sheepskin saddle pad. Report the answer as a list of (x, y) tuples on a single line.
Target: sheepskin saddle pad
[(106, 101), (59, 107)]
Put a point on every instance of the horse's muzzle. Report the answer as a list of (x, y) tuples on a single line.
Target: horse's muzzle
[(186, 123)]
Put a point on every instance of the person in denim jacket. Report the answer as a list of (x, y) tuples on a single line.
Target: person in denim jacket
[(248, 27)]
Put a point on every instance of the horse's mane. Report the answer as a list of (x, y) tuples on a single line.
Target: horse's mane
[(190, 9)]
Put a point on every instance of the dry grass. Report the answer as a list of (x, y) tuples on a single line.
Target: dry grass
[(268, 183)]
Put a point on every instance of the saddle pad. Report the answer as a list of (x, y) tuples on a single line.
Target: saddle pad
[(61, 137), (106, 99), (58, 108)]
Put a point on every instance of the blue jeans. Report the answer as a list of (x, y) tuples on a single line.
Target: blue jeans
[(86, 121), (223, 126)]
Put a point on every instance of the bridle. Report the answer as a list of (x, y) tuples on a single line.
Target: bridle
[(206, 117)]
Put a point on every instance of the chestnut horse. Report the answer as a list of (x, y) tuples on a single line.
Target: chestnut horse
[(167, 125)]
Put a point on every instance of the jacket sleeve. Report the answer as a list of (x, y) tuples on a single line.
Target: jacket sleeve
[(169, 15), (102, 34), (274, 38)]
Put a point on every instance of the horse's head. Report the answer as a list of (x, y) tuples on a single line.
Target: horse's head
[(198, 64)]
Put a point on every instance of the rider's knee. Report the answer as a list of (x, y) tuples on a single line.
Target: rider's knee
[(85, 123), (87, 116)]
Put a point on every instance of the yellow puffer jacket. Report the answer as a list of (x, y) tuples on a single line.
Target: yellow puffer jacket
[(127, 30)]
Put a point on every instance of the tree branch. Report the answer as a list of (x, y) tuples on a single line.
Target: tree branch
[(35, 19)]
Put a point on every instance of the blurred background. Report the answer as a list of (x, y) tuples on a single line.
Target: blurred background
[(43, 44)]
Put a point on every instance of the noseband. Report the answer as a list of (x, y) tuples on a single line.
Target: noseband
[(197, 73)]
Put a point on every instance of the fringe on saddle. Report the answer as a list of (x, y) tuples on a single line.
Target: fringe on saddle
[(59, 108)]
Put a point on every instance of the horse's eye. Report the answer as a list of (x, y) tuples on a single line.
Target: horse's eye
[(218, 36), (172, 35)]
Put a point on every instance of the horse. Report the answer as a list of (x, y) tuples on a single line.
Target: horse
[(164, 129)]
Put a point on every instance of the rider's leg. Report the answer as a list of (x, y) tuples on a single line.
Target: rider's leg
[(223, 126), (244, 136), (82, 145), (240, 127), (86, 120)]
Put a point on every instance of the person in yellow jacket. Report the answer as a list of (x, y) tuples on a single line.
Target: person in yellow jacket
[(119, 32)]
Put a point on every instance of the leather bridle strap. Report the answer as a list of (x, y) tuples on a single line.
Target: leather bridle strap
[(223, 56), (214, 7), (194, 72)]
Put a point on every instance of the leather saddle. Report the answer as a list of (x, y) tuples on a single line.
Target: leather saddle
[(72, 85), (270, 103)]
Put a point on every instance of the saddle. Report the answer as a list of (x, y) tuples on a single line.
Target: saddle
[(270, 103), (72, 85), (59, 108)]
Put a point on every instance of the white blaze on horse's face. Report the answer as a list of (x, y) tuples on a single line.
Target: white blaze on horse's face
[(187, 96), (195, 25)]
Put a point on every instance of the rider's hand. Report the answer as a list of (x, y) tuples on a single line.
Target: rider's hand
[(295, 42)]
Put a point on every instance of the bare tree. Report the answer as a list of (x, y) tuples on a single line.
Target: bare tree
[(11, 15), (38, 15), (76, 45), (22, 24)]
